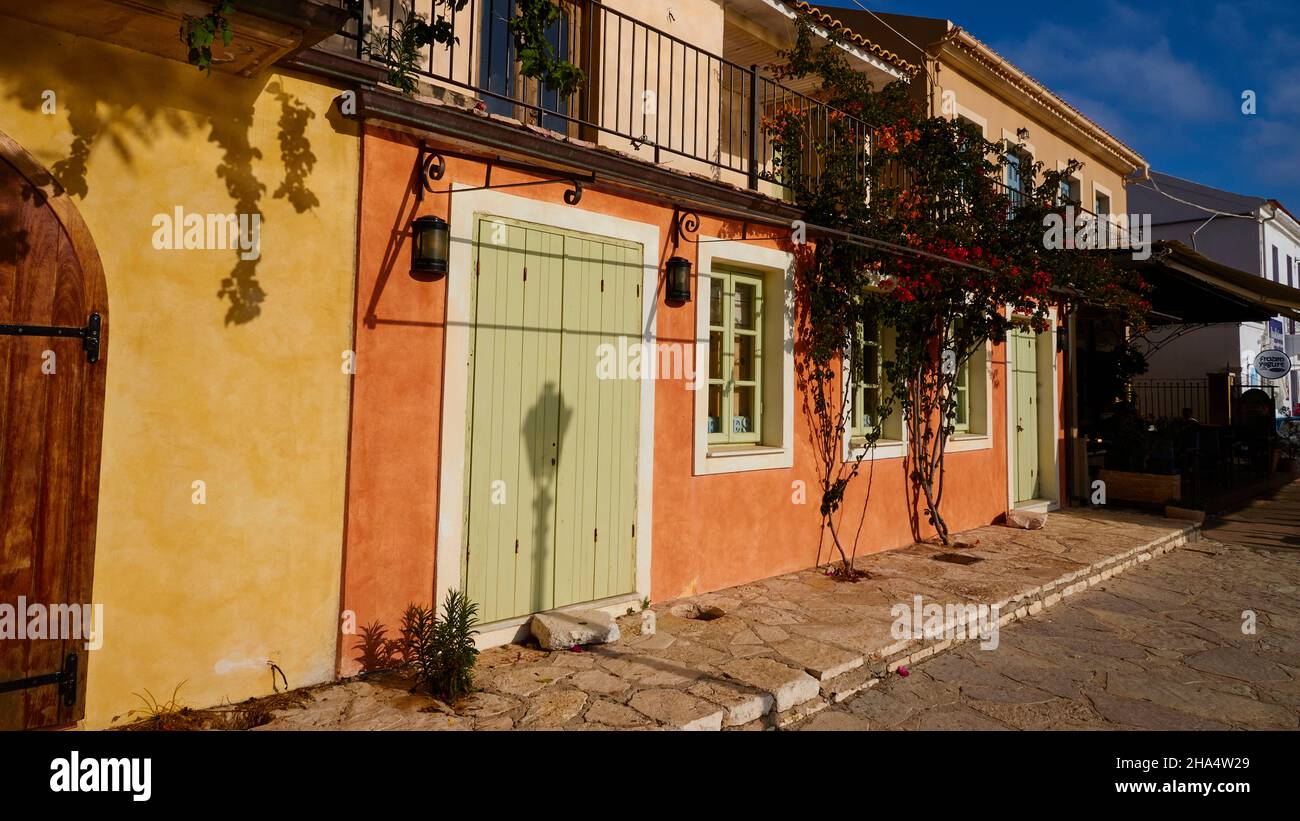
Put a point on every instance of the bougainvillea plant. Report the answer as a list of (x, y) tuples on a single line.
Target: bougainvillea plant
[(915, 232)]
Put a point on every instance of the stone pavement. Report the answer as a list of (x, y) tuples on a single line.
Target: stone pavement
[(1160, 649), (771, 653)]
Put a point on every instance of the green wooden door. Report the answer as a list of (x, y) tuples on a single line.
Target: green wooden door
[(1025, 385), (551, 469)]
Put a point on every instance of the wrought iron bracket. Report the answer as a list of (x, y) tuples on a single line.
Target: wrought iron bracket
[(89, 335), (66, 679), (431, 165), (686, 226)]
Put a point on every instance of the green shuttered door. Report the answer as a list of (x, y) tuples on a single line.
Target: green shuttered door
[(551, 476), (1025, 379)]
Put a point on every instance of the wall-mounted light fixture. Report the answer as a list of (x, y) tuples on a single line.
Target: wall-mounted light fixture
[(430, 245), (1022, 133), (679, 279)]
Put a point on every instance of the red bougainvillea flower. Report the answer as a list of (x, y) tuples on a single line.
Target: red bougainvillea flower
[(902, 671)]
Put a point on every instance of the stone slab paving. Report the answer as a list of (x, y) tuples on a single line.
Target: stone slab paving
[(1163, 648), (779, 651)]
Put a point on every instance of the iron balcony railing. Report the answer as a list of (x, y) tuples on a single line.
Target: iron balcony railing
[(645, 91), (1108, 230)]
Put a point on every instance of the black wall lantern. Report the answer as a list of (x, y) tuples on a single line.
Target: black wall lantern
[(430, 245), (679, 279)]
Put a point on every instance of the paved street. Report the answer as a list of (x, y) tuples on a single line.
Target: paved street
[(1168, 645), (770, 653)]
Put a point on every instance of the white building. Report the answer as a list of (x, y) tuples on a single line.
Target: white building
[(1250, 233)]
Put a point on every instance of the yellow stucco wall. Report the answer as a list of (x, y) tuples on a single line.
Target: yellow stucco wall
[(251, 402), (1046, 135)]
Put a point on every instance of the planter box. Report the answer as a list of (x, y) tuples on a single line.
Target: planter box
[(1148, 488)]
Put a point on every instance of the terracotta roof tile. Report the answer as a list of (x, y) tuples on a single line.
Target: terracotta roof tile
[(832, 24)]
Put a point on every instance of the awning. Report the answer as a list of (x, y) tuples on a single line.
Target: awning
[(1189, 288)]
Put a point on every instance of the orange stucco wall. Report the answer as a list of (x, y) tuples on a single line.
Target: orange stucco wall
[(708, 531), (392, 505)]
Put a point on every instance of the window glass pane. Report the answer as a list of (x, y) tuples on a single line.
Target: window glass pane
[(870, 408), (715, 409), (715, 354), (870, 365), (497, 60), (744, 309), (715, 301), (743, 365), (742, 418)]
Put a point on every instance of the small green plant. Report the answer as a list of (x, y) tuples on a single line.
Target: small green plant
[(645, 603), (441, 649), (199, 33), (399, 46)]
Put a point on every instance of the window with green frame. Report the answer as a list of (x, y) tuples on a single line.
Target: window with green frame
[(735, 402), (961, 393), (865, 380)]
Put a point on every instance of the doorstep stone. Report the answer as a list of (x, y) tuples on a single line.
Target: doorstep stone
[(560, 631), (787, 685), (1027, 519)]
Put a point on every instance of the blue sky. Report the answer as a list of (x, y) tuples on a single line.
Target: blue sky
[(1165, 76)]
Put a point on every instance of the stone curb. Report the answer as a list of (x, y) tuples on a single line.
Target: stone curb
[(876, 665)]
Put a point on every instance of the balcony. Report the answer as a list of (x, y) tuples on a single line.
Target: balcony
[(647, 92)]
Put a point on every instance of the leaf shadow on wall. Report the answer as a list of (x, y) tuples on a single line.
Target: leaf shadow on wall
[(130, 113)]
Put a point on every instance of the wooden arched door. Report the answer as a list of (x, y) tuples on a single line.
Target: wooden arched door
[(53, 340)]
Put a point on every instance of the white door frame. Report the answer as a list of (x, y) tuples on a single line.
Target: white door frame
[(466, 206), (1049, 431)]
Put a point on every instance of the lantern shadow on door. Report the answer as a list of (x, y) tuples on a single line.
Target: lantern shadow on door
[(543, 430)]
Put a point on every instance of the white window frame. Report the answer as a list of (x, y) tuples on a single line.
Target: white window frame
[(1078, 178), (775, 448), (982, 122), (982, 391), (1112, 233), (884, 448)]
